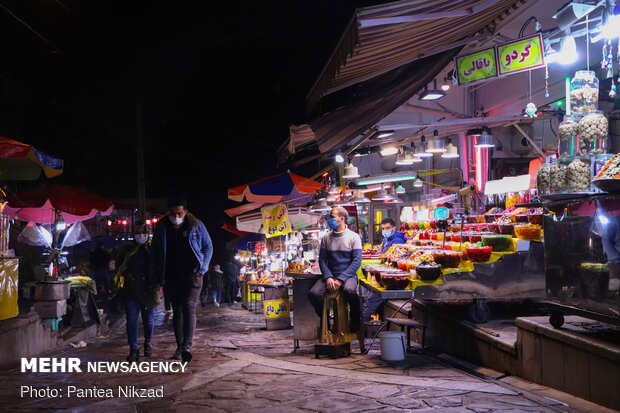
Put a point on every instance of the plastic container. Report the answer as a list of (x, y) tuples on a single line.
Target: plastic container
[(528, 232), (448, 259), (479, 254), (499, 243), (569, 137), (428, 271), (578, 174), (395, 281), (506, 228), (584, 92), (393, 345)]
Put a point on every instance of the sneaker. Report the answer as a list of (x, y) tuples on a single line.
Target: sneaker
[(148, 350), (186, 354), (177, 354), (217, 304), (134, 355)]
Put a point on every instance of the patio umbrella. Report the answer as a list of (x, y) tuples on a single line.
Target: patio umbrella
[(22, 162), (286, 187), (41, 204), (299, 217)]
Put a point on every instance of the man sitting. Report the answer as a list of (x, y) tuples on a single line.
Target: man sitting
[(340, 257)]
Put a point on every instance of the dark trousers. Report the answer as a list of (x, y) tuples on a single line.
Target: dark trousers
[(349, 288), (133, 310), (231, 286), (184, 299)]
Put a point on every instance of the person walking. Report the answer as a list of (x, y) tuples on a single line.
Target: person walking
[(340, 256), (216, 284), (99, 261), (139, 291), (181, 251), (231, 279)]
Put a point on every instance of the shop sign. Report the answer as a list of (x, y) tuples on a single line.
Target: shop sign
[(275, 220), (422, 215), (276, 309), (476, 66), (440, 213), (520, 55), (261, 246)]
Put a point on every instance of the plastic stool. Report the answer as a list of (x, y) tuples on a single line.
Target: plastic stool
[(338, 333)]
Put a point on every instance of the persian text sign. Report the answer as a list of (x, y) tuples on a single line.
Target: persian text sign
[(276, 309), (476, 66), (275, 220), (519, 55)]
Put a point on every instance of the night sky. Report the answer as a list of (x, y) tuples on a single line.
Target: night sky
[(218, 87)]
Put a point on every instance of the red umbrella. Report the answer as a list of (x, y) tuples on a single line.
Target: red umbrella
[(41, 204), (277, 188)]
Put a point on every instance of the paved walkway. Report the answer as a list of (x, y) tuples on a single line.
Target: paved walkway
[(240, 367)]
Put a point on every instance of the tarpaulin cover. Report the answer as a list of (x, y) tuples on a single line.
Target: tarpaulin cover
[(19, 161), (9, 272), (39, 204), (278, 188)]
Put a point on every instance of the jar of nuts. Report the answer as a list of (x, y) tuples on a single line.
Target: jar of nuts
[(569, 136), (557, 176), (584, 92), (543, 179), (578, 174), (592, 126)]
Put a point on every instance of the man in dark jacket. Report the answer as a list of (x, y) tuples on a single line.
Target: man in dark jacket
[(181, 251), (231, 279), (390, 235)]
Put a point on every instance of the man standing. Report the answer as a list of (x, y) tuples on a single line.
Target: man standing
[(390, 235), (181, 251), (340, 257), (231, 279)]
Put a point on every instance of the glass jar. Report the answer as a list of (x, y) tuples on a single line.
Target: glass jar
[(557, 176), (578, 174), (543, 179), (584, 92), (569, 136), (592, 127)]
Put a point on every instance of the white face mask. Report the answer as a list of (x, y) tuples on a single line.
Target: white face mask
[(141, 238), (176, 220)]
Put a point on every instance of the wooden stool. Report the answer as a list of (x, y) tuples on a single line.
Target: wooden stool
[(408, 324), (335, 338)]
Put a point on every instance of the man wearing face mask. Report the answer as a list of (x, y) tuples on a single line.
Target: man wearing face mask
[(390, 235), (340, 257), (182, 250), (140, 292)]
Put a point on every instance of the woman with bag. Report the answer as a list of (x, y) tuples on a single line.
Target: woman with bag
[(140, 293)]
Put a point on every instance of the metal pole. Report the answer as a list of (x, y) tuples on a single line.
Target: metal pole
[(140, 162)]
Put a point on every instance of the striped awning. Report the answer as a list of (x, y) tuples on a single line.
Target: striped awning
[(384, 37)]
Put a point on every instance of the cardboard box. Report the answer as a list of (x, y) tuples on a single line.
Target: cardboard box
[(51, 309)]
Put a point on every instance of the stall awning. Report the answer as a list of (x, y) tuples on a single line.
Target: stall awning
[(384, 37), (299, 217)]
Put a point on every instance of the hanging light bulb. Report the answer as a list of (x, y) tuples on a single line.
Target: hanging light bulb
[(436, 145), (485, 140), (451, 151), (350, 171), (418, 183), (339, 158), (568, 49), (333, 190), (382, 195), (403, 159), (445, 86), (422, 152)]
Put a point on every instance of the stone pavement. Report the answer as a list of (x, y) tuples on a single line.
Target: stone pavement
[(241, 367)]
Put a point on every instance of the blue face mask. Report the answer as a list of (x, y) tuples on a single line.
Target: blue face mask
[(387, 233), (332, 223)]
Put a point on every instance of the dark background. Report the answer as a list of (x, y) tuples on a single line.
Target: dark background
[(218, 86)]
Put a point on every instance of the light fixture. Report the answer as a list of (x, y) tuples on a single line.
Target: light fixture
[(403, 159), (330, 199), (421, 152), (61, 225), (436, 145), (610, 27), (414, 156), (400, 189), (394, 200), (445, 86), (451, 152), (389, 150), (568, 50), (571, 13), (432, 94), (418, 183), (485, 140), (382, 195), (320, 206), (385, 134), (339, 158), (359, 198), (350, 171), (380, 179), (333, 190)]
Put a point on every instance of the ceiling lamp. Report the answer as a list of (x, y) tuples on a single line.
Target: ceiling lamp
[(339, 158), (485, 140), (436, 145), (385, 134), (395, 200), (330, 199), (421, 152), (451, 152), (389, 150), (350, 171), (418, 183), (320, 206), (359, 198), (568, 50), (343, 202), (445, 86), (333, 190), (432, 94), (400, 189), (404, 158), (382, 195)]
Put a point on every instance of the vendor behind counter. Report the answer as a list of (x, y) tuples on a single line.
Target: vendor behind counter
[(390, 235)]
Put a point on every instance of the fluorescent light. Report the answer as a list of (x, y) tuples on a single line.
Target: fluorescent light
[(432, 94), (385, 134), (386, 178), (568, 50), (389, 150), (339, 158)]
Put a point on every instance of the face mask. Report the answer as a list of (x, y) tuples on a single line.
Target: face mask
[(141, 238), (332, 223), (176, 220), (387, 233)]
